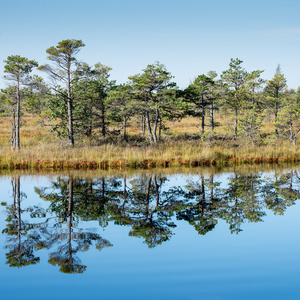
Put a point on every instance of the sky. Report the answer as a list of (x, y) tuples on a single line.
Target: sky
[(190, 37)]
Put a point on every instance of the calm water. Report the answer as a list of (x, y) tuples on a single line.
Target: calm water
[(231, 235)]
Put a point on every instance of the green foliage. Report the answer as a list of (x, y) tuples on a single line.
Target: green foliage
[(83, 102), (90, 92), (58, 113), (8, 99), (274, 91), (155, 96), (121, 105), (63, 57), (276, 85), (17, 68), (234, 79), (252, 117), (198, 93), (36, 95), (65, 48), (288, 121)]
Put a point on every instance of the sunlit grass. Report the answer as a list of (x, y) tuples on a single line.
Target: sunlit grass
[(41, 150)]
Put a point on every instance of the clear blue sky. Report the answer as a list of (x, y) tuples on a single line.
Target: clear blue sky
[(190, 37)]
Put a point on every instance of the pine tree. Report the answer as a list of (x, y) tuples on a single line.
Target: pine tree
[(199, 94), (251, 120), (274, 90), (63, 58), (235, 78), (288, 119), (17, 69)]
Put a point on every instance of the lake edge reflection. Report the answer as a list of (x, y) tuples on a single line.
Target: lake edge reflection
[(150, 205)]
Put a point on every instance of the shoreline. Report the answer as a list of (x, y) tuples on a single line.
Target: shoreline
[(122, 164)]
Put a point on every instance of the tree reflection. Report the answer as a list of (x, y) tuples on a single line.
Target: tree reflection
[(281, 191), (20, 241), (73, 200), (147, 204), (242, 201), (147, 208), (202, 213)]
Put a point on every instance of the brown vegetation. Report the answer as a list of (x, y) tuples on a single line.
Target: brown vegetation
[(181, 146)]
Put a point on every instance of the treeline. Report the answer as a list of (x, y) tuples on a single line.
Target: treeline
[(81, 102)]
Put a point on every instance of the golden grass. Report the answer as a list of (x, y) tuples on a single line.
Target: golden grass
[(51, 155), (41, 150)]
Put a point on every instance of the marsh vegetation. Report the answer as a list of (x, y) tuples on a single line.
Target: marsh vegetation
[(81, 118)]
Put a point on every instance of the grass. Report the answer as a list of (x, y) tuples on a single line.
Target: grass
[(181, 147)]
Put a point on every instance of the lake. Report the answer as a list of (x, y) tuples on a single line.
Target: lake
[(154, 234)]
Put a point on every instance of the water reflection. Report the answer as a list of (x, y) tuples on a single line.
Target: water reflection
[(150, 205), (242, 201), (21, 240), (203, 198), (71, 201), (147, 208), (281, 191)]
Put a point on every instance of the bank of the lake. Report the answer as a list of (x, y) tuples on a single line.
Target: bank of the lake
[(171, 154), (181, 145)]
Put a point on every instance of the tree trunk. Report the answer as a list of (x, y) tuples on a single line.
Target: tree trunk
[(235, 122), (124, 128), (14, 193), (90, 125), (292, 135), (18, 196), (103, 189), (212, 123), (276, 109), (13, 131), (148, 197), (89, 131), (125, 195), (103, 120), (159, 130), (156, 191), (149, 127), (143, 124), (155, 125), (202, 117), (70, 107), (70, 211), (276, 115), (18, 116)]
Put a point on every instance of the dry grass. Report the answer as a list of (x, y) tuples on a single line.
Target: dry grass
[(41, 150)]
